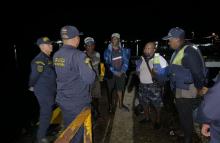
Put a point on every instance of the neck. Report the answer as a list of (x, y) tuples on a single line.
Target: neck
[(89, 53), (48, 54), (115, 46), (69, 43)]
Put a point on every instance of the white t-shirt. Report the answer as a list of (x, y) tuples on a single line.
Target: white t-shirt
[(145, 76)]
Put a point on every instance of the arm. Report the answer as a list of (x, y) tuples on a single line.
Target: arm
[(211, 101), (97, 59), (138, 66), (37, 67), (126, 57), (85, 69), (192, 60), (207, 111), (108, 62)]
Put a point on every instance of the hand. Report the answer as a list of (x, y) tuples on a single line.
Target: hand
[(204, 90), (101, 78), (153, 72), (205, 130), (199, 92), (31, 89), (118, 74)]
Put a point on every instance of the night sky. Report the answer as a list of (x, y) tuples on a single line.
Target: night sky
[(150, 20)]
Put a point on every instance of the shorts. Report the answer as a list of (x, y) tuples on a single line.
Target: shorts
[(117, 83), (150, 94)]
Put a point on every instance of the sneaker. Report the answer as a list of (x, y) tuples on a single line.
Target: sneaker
[(172, 133)]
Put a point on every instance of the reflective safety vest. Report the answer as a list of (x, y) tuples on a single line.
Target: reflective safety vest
[(180, 77)]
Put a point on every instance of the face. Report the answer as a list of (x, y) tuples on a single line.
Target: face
[(115, 42), (175, 43), (90, 48), (46, 48), (149, 49)]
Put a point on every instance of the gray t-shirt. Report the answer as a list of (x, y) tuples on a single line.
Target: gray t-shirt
[(95, 62)]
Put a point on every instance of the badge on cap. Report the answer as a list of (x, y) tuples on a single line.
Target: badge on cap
[(88, 62), (45, 39)]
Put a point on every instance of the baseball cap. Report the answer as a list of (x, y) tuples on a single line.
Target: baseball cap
[(116, 35), (175, 33), (43, 40), (89, 41), (69, 32)]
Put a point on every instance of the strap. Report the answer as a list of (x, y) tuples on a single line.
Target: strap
[(148, 66)]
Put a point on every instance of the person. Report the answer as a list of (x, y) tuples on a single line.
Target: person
[(43, 83), (117, 61), (211, 118), (95, 61), (74, 76), (187, 77), (150, 67)]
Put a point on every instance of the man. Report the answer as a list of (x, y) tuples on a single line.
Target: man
[(117, 60), (187, 77), (43, 83), (74, 76), (95, 61), (150, 67), (210, 114)]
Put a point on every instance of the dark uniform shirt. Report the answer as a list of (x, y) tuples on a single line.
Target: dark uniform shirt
[(43, 76), (74, 76), (209, 111), (193, 61)]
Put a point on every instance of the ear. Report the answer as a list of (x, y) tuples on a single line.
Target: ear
[(41, 46)]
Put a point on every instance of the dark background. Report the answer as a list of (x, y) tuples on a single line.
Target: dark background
[(27, 21)]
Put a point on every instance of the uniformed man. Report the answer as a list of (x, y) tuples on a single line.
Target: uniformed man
[(209, 113), (95, 61), (187, 77), (43, 83), (74, 76)]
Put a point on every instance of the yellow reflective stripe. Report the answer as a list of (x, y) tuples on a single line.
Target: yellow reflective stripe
[(88, 129), (178, 59), (56, 116), (40, 62), (71, 130)]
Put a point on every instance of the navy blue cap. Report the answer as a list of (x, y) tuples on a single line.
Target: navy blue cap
[(43, 40), (175, 33), (69, 32), (89, 41)]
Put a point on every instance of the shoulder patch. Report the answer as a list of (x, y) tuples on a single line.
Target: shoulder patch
[(88, 62), (40, 68), (40, 63)]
